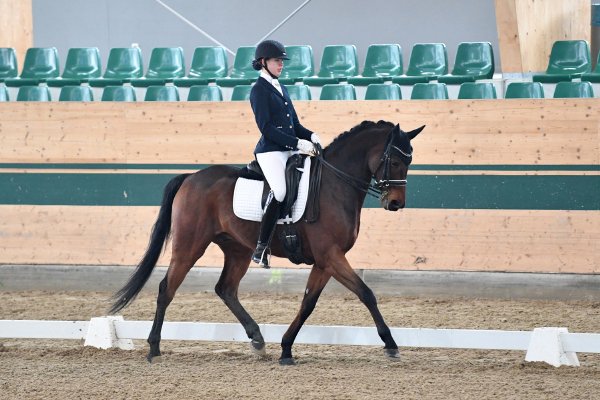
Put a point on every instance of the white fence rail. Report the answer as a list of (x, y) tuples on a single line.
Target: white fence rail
[(555, 346)]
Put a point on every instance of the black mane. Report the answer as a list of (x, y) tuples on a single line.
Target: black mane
[(342, 137)]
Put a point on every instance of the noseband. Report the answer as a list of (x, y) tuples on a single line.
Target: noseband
[(381, 187)]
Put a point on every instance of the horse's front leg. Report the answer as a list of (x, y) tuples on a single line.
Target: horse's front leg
[(343, 273), (317, 280)]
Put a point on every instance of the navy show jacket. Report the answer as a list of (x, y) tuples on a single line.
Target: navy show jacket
[(276, 118)]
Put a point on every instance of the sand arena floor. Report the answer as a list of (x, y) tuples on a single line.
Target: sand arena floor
[(44, 369)]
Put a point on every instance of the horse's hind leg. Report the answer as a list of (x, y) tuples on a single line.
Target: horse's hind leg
[(237, 260), (178, 269), (314, 287)]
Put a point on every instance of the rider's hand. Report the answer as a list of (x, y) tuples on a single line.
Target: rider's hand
[(306, 147), (315, 139)]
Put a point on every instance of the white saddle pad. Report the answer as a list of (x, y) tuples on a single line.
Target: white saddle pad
[(247, 197)]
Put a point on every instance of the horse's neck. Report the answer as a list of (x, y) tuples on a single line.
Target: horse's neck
[(351, 157)]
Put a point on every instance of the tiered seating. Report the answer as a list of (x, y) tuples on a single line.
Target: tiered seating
[(33, 93), (124, 64), (573, 90), (208, 65), (474, 61), (76, 93), (3, 94), (382, 63), (569, 59), (299, 66), (475, 90), (83, 64), (335, 91), (299, 92), (242, 72), (427, 62), (41, 64), (118, 93), (338, 62), (593, 76), (205, 93), (382, 91), (166, 64), (241, 93), (524, 90), (161, 93), (429, 91), (8, 63)]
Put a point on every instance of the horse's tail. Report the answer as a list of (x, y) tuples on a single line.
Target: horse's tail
[(158, 238)]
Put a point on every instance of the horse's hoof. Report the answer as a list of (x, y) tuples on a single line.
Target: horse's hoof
[(258, 348), (392, 354), (154, 359), (287, 361)]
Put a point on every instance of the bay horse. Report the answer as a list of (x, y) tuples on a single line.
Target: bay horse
[(197, 209)]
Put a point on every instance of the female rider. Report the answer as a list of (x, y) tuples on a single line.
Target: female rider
[(282, 135)]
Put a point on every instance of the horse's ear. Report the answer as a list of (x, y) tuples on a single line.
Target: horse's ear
[(411, 135)]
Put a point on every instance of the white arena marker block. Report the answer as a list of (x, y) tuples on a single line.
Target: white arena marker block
[(101, 334), (545, 345)]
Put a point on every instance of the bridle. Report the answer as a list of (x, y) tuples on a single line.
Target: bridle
[(379, 188)]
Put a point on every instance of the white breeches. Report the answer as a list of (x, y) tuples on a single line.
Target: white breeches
[(273, 167)]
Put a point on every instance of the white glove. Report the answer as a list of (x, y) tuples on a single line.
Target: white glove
[(306, 147), (315, 139)]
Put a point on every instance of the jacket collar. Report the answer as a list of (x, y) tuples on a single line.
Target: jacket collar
[(262, 81)]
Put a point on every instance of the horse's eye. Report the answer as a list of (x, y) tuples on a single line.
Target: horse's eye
[(395, 164)]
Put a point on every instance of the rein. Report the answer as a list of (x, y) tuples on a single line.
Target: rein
[(379, 188)]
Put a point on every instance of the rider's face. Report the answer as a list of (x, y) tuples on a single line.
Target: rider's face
[(275, 65)]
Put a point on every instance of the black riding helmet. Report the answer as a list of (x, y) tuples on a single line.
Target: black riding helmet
[(268, 49)]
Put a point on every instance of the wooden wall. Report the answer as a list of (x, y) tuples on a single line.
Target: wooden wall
[(537, 134), (528, 28), (16, 26)]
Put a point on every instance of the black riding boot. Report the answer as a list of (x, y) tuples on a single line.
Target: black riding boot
[(267, 227)]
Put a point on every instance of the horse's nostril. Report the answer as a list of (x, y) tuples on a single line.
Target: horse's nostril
[(395, 205)]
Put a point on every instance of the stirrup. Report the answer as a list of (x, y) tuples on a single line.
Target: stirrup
[(261, 255)]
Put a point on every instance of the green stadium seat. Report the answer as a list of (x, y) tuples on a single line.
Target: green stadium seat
[(524, 90), (205, 93), (299, 66), (334, 91), (476, 90), (242, 72), (208, 64), (241, 93), (382, 91), (569, 59), (590, 76), (299, 92), (161, 93), (427, 62), (123, 65), (474, 61), (565, 90), (41, 64), (76, 93), (338, 62), (118, 93), (429, 91), (3, 93), (8, 63), (382, 63), (83, 64), (166, 64), (33, 93)]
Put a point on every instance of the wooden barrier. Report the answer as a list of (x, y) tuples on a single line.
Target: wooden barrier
[(513, 145)]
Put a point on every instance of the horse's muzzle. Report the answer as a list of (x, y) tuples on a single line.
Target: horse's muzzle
[(393, 205)]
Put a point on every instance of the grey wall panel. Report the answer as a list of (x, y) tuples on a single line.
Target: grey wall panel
[(118, 23)]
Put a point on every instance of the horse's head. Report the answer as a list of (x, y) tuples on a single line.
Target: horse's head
[(391, 167)]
